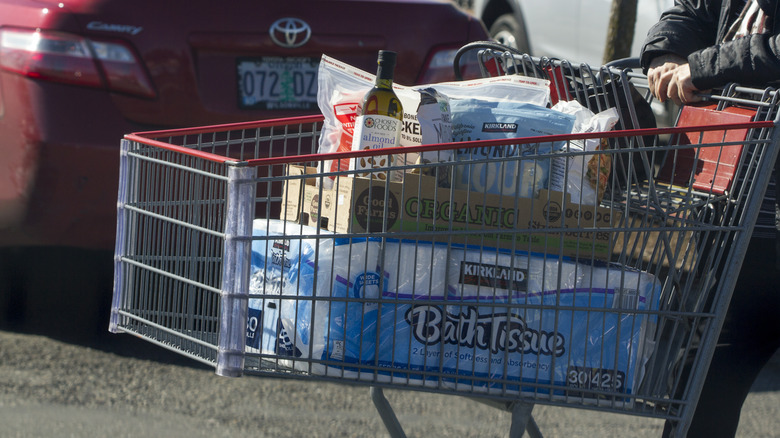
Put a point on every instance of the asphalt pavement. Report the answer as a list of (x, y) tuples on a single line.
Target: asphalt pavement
[(122, 387)]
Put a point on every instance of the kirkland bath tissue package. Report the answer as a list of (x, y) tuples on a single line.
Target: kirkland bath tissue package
[(348, 333), (594, 342), (477, 318)]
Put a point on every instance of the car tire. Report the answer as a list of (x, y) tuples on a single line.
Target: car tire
[(510, 31)]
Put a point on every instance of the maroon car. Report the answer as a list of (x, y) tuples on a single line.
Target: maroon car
[(75, 76)]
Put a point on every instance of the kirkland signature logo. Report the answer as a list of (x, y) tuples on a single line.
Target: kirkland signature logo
[(499, 127), (500, 277)]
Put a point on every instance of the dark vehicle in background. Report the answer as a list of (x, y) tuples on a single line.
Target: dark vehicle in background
[(77, 75)]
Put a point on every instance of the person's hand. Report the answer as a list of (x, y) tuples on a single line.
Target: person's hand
[(681, 89), (660, 73), (669, 77)]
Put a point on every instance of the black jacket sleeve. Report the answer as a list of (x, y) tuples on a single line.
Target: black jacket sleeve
[(753, 60), (685, 28), (693, 28)]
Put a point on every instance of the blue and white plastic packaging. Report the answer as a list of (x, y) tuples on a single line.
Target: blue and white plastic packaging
[(320, 298), (284, 270), (573, 325), (474, 318), (501, 173)]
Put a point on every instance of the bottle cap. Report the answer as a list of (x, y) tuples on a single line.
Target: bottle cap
[(386, 57)]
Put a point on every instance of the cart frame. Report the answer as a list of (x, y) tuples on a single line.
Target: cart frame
[(188, 198)]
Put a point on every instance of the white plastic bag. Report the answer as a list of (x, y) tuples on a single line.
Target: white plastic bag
[(584, 177), (341, 88)]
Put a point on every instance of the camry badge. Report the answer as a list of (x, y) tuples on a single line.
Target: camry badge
[(290, 32)]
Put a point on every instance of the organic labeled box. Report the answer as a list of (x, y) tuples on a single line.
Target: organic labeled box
[(417, 208)]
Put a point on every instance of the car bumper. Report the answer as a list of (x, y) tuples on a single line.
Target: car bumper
[(72, 201), (60, 175)]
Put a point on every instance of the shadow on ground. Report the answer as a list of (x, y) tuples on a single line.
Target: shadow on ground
[(65, 294)]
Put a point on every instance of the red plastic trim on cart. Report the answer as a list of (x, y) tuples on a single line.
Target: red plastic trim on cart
[(400, 150), (149, 137), (145, 138)]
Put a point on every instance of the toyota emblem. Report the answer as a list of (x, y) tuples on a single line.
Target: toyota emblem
[(290, 32)]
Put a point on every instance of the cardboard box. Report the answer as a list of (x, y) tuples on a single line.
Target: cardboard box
[(417, 209), (658, 243), (303, 201)]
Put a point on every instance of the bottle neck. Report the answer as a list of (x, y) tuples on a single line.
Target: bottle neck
[(384, 76)]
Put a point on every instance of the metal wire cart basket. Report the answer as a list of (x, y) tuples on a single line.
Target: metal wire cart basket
[(585, 279)]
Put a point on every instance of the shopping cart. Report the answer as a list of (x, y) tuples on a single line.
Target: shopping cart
[(241, 247)]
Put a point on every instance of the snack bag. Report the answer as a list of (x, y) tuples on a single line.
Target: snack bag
[(435, 120)]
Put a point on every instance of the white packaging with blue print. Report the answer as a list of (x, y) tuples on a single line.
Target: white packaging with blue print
[(496, 169), (436, 314), (315, 291), (284, 272), (502, 318)]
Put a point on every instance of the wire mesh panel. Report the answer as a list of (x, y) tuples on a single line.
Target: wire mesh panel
[(576, 269), (175, 224)]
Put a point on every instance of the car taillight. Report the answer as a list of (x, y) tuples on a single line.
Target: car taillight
[(71, 59), (439, 67)]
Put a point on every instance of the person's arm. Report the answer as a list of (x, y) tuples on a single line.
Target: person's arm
[(685, 28), (753, 60)]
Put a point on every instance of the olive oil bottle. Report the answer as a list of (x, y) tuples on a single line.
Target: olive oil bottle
[(379, 124)]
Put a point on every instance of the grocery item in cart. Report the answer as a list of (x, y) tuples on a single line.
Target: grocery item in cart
[(341, 88), (479, 119), (467, 330), (345, 329), (298, 277), (584, 177), (488, 319), (435, 118), (282, 269), (418, 204), (379, 122)]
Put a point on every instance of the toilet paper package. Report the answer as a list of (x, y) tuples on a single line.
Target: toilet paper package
[(493, 316), (477, 318), (319, 309), (345, 328), (284, 270)]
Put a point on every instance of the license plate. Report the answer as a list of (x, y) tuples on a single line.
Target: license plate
[(276, 83)]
